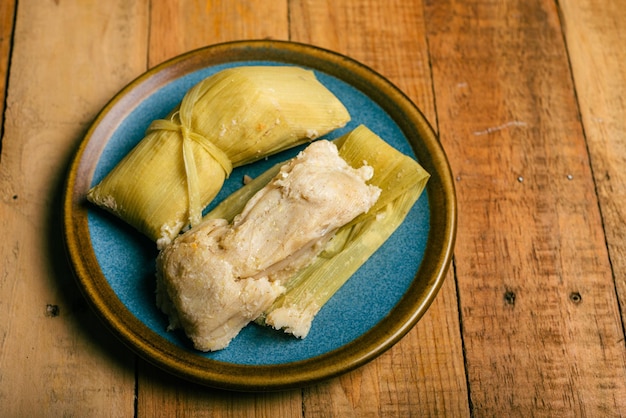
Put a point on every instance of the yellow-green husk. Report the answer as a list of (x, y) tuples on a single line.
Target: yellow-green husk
[(402, 181), (232, 118)]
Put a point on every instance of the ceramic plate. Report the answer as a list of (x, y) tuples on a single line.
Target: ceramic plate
[(114, 264)]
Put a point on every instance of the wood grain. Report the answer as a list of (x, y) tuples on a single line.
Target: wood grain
[(7, 14), (423, 371), (178, 27), (386, 36), (595, 40), (162, 395), (68, 59), (426, 368), (540, 321)]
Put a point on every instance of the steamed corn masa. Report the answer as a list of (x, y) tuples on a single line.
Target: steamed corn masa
[(402, 181), (235, 117), (220, 275)]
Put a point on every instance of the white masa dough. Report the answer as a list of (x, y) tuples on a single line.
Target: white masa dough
[(217, 277)]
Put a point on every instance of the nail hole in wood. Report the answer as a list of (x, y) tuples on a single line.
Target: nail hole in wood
[(575, 297), (509, 297), (52, 310)]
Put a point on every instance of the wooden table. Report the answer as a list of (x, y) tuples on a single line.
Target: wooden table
[(529, 100)]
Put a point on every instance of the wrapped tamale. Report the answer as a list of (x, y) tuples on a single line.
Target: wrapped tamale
[(234, 117)]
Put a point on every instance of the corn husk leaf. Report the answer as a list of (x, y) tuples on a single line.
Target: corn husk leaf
[(232, 118), (402, 181)]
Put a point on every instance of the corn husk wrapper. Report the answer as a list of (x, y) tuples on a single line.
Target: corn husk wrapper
[(232, 118), (402, 181)]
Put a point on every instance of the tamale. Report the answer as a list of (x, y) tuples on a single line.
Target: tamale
[(234, 117), (401, 180), (217, 277)]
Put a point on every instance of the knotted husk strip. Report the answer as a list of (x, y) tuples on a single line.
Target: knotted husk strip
[(235, 117), (402, 181)]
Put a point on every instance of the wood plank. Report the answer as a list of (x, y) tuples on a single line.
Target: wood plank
[(68, 60), (7, 15), (423, 374), (397, 49), (595, 41), (177, 28), (162, 395), (540, 321)]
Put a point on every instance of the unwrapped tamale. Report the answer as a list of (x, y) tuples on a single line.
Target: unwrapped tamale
[(220, 275), (234, 117), (402, 181)]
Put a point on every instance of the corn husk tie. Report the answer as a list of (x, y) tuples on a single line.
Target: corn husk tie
[(180, 122)]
